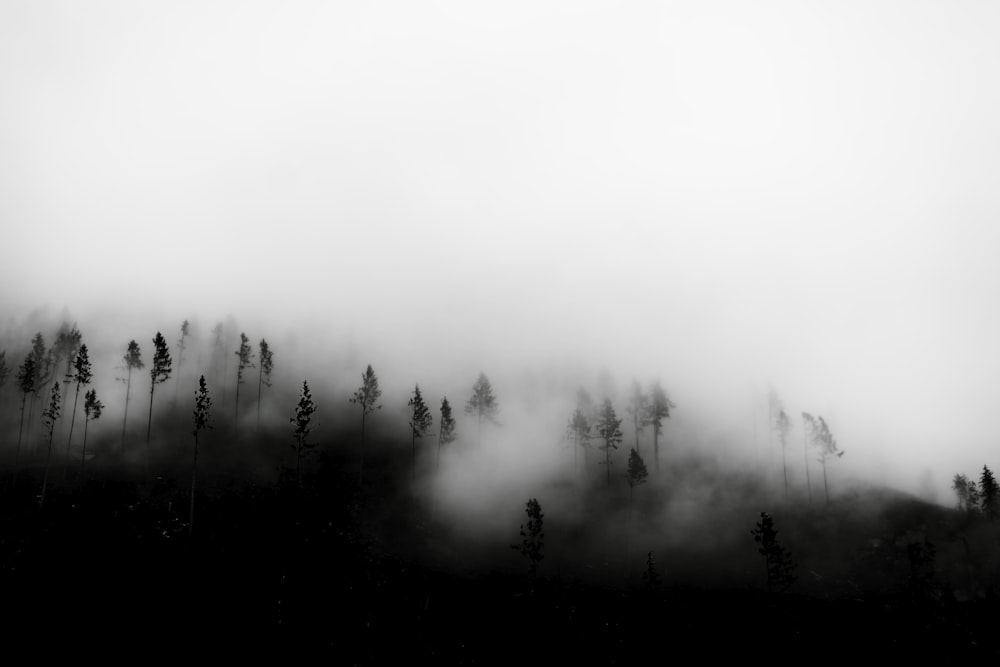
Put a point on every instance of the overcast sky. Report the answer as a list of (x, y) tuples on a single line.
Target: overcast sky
[(720, 194)]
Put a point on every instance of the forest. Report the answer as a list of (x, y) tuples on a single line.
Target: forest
[(189, 489)]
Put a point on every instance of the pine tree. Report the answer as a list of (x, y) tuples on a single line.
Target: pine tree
[(651, 577), (92, 410), (608, 428), (244, 356), (66, 347), (827, 446), (482, 403), (264, 374), (202, 413), (26, 381), (988, 492), (579, 430), (777, 561), (420, 422), (446, 434), (43, 362), (50, 415), (960, 485), (133, 359), (638, 408), (367, 397), (158, 374), (82, 375), (808, 432), (532, 537), (658, 410), (637, 472), (302, 421), (782, 425), (181, 346)]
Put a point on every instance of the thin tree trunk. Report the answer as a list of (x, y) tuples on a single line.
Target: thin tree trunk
[(72, 420), (361, 473), (413, 444), (20, 428), (260, 383), (149, 424), (826, 488), (83, 457), (298, 458), (656, 447), (128, 388), (45, 479), (236, 417), (194, 480), (437, 464), (805, 449)]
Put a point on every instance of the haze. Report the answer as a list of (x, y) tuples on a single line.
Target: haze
[(722, 196)]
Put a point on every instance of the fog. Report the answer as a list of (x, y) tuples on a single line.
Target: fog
[(724, 198)]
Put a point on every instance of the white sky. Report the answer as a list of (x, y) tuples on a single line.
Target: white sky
[(801, 193)]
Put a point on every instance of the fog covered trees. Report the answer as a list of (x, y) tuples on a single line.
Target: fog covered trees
[(657, 410), (637, 408), (181, 346), (988, 493), (446, 430), (243, 362), (202, 413), (92, 408), (482, 404), (26, 381), (777, 561), (49, 416), (133, 360), (532, 537), (159, 371), (303, 427), (82, 375), (636, 473), (420, 422), (367, 397), (782, 424), (826, 444), (608, 429), (266, 358)]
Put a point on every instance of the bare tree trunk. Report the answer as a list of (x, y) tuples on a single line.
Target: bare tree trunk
[(149, 424), (128, 388), (72, 420), (194, 480), (361, 473), (260, 382), (20, 428), (83, 457)]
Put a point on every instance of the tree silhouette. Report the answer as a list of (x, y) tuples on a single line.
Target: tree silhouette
[(446, 434), (809, 431), (777, 561), (651, 577), (638, 408), (783, 425), (960, 485), (827, 446), (26, 382), (65, 348), (532, 537), (482, 403), (82, 375), (367, 397), (244, 355), (608, 428), (264, 374), (202, 413), (303, 418), (420, 422), (579, 429), (133, 359), (181, 346), (158, 374), (988, 492), (43, 363), (658, 410), (50, 415), (92, 410), (636, 473)]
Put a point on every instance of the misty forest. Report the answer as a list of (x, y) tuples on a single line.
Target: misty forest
[(193, 486)]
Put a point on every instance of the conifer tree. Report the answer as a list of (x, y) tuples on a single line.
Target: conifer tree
[(608, 428), (158, 374), (579, 430), (482, 403), (367, 397), (303, 419), (264, 374), (960, 485), (82, 375), (26, 381), (133, 359), (65, 348), (658, 410), (244, 356), (638, 408), (181, 346), (808, 433), (446, 434), (43, 363), (827, 446), (420, 422), (988, 493), (532, 537), (777, 561), (92, 408), (783, 425), (202, 413), (50, 415), (637, 472)]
